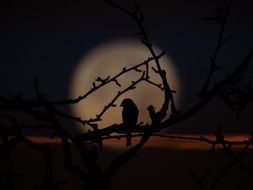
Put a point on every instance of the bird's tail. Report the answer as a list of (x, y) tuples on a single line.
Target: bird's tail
[(128, 139)]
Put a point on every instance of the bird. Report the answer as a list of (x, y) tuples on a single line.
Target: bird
[(130, 114)]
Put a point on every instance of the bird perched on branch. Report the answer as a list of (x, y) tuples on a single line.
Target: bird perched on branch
[(130, 114)]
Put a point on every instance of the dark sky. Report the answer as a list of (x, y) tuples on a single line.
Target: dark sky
[(47, 39)]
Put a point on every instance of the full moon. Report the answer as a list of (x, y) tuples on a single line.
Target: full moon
[(108, 59)]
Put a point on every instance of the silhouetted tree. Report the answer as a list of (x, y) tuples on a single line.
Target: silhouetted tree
[(47, 114)]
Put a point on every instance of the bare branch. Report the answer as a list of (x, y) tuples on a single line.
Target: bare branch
[(105, 82), (222, 20)]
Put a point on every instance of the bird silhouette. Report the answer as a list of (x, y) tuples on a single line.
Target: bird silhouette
[(130, 114)]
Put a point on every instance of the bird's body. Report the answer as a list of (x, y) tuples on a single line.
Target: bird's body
[(130, 114)]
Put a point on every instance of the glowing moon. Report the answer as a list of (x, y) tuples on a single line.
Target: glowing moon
[(108, 59)]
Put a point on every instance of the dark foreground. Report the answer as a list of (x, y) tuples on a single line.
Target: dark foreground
[(154, 168)]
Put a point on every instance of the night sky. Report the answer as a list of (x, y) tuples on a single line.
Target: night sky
[(48, 39)]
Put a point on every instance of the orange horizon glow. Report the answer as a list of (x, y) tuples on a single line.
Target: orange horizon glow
[(154, 142)]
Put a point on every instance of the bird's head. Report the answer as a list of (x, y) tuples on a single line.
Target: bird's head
[(150, 107), (127, 102)]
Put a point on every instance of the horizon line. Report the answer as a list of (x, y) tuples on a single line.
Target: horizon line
[(154, 142)]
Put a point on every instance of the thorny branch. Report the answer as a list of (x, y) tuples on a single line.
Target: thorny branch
[(103, 82), (222, 19)]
